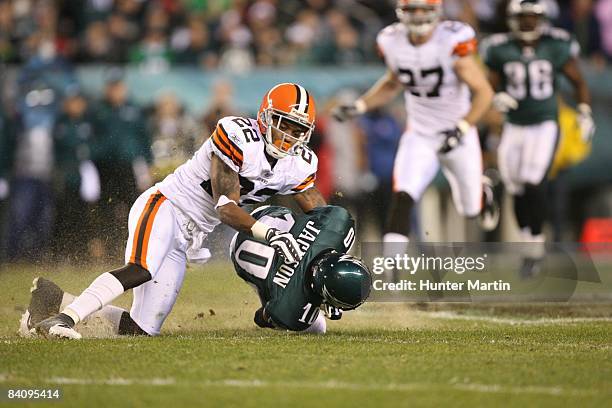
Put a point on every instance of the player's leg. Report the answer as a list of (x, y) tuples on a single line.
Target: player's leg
[(154, 300), (538, 153), (152, 225), (416, 165), (462, 167)]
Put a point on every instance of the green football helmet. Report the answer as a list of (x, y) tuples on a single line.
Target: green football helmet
[(342, 280)]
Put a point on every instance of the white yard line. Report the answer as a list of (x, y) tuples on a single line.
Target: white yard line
[(331, 385), (511, 321)]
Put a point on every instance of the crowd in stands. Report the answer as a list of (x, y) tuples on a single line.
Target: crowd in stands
[(71, 164)]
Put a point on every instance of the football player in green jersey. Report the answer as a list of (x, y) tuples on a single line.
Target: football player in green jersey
[(326, 279), (525, 66)]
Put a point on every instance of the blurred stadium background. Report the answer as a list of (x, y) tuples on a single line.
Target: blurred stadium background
[(135, 86)]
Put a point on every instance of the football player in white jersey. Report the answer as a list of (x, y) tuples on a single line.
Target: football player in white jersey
[(446, 93), (244, 161)]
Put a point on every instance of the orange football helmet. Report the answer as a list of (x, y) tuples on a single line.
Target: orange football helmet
[(419, 23), (286, 117)]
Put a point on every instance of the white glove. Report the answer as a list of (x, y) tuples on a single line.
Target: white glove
[(142, 174), (4, 188), (504, 102), (89, 189), (285, 245), (585, 122), (346, 112)]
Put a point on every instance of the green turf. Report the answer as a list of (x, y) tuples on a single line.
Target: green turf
[(383, 355)]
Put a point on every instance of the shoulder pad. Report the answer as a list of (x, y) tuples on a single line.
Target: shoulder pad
[(228, 142), (559, 34), (494, 40), (390, 30)]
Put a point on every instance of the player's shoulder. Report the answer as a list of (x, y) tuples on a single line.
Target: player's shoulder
[(238, 128), (275, 211), (303, 170), (392, 30), (455, 31), (492, 44), (332, 211), (236, 140), (390, 35), (496, 40), (557, 34)]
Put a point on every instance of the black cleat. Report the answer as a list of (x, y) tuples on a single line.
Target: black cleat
[(60, 326), (530, 268), (490, 213), (45, 302)]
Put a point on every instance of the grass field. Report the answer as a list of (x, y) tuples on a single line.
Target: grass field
[(211, 354)]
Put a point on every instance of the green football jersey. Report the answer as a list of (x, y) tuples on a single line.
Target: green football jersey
[(284, 290), (531, 74)]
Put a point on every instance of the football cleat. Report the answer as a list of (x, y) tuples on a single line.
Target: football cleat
[(59, 326), (490, 212), (45, 302), (530, 268)]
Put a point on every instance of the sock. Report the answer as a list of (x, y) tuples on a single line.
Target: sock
[(394, 244), (109, 312), (103, 290), (534, 244)]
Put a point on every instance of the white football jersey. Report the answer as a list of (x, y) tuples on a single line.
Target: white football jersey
[(240, 144), (436, 99)]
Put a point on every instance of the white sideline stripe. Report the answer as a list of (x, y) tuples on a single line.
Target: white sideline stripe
[(332, 385), (502, 320)]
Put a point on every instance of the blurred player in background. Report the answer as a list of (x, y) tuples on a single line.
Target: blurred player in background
[(524, 67), (245, 161), (433, 62), (293, 295)]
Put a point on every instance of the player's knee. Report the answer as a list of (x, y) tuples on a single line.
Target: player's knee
[(318, 327), (131, 275), (128, 327)]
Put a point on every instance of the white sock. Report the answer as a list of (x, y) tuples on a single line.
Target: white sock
[(109, 312), (103, 290), (394, 244)]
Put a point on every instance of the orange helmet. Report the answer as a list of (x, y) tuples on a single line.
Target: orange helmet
[(419, 24), (286, 117)]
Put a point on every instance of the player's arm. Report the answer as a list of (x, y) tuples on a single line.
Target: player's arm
[(468, 71), (572, 71), (226, 193), (309, 199), (381, 93)]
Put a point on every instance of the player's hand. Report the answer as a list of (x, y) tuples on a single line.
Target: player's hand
[(453, 136), (346, 112), (285, 245), (261, 320), (4, 188), (586, 122), (331, 312), (504, 102)]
